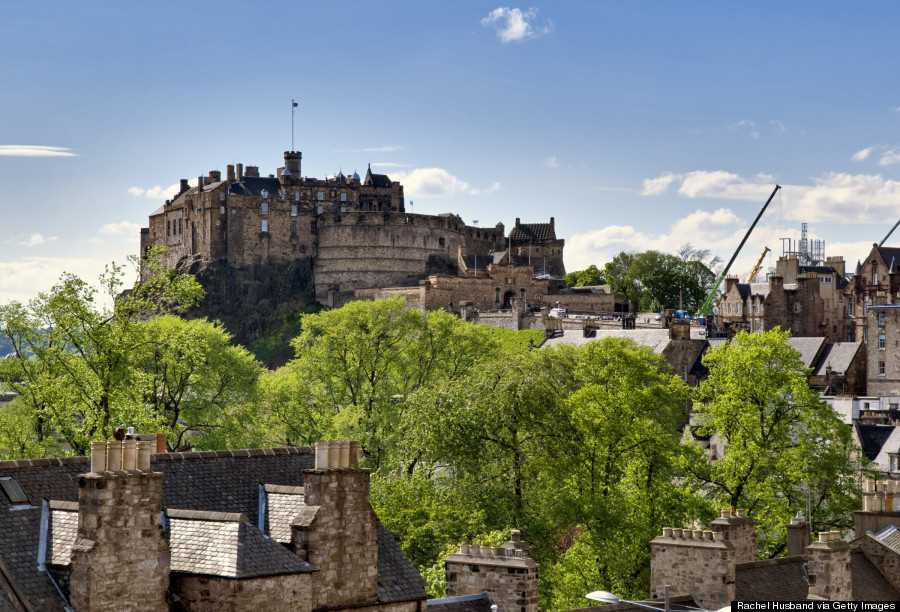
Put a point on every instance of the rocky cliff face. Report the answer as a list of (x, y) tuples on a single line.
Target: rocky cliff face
[(247, 299)]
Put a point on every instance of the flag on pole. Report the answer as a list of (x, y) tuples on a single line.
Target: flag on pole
[(294, 103)]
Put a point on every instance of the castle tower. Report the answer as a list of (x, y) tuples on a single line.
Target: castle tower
[(292, 162), (120, 560)]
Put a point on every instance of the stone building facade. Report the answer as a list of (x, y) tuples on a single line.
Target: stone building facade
[(759, 307)]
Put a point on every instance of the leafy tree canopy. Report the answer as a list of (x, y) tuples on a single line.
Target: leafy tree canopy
[(590, 276)]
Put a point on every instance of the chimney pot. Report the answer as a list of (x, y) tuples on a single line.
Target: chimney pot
[(114, 456), (321, 455), (98, 456), (667, 532), (334, 455), (354, 453), (144, 448), (160, 443), (129, 461), (344, 454)]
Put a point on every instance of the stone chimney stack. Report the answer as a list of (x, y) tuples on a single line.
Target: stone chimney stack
[(740, 530), (240, 172), (798, 532), (121, 557), (251, 171), (184, 186), (695, 562), (829, 567), (730, 281), (340, 533), (230, 174), (507, 572), (679, 329)]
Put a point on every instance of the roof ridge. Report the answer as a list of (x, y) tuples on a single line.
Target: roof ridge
[(173, 456)]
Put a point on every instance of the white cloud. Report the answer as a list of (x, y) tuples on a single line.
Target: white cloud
[(777, 126), (862, 154), (492, 189), (121, 228), (513, 24), (36, 239), (390, 165), (834, 196), (660, 184), (889, 158), (430, 182), (550, 162), (157, 192), (35, 151)]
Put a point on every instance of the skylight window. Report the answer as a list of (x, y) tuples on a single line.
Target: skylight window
[(13, 491)]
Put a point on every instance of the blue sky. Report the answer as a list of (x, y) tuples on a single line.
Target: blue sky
[(635, 124)]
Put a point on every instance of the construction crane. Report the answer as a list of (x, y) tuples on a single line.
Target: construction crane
[(706, 309), (755, 270)]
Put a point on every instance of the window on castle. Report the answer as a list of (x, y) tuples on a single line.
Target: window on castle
[(797, 308), (221, 210), (881, 368), (881, 342), (796, 327), (320, 195), (757, 308), (265, 225), (180, 227), (497, 295), (827, 304), (264, 209), (320, 209), (880, 319), (343, 209), (294, 210), (523, 291), (167, 228), (296, 196), (440, 242), (293, 227), (865, 335), (343, 197)]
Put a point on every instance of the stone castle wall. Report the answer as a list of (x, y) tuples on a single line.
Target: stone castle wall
[(363, 250)]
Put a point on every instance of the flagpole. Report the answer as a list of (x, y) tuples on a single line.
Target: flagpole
[(292, 123)]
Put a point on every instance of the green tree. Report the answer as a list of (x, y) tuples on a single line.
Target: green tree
[(82, 368), (786, 449), (590, 276), (355, 368)]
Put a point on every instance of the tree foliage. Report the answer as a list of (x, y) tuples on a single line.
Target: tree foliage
[(786, 449), (82, 368), (590, 276)]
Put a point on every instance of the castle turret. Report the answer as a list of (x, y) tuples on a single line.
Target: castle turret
[(292, 161)]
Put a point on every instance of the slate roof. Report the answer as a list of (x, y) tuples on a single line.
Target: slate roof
[(872, 438), (889, 253), (771, 580), (477, 262), (462, 603), (254, 185), (528, 232), (807, 347), (377, 180), (869, 584), (839, 355), (209, 481), (227, 545)]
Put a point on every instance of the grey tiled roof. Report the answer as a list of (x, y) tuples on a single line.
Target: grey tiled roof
[(63, 532), (463, 603), (211, 481), (398, 579), (253, 186), (807, 347), (533, 231), (218, 546), (838, 355), (281, 508), (872, 438), (771, 580), (868, 583)]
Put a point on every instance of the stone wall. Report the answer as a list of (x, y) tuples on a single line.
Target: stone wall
[(703, 568), (121, 558), (506, 572), (370, 250), (740, 531), (212, 594)]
